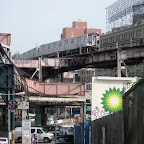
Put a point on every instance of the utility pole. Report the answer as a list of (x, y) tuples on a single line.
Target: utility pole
[(83, 120), (26, 123), (40, 69), (118, 61)]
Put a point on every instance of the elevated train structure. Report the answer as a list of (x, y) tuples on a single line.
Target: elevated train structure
[(72, 45), (90, 52), (89, 43)]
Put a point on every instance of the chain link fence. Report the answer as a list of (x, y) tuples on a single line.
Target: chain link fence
[(108, 130)]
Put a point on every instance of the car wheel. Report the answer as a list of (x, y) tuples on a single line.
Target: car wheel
[(47, 140), (20, 139)]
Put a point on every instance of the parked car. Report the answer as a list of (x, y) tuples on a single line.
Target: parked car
[(78, 115), (66, 133), (50, 120), (67, 129), (58, 121), (3, 140), (32, 118), (52, 129), (44, 136)]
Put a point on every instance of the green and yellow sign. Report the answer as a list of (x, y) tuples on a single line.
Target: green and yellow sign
[(112, 100)]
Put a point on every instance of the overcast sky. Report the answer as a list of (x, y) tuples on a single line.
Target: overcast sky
[(35, 22)]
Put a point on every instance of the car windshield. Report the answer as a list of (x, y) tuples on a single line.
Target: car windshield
[(45, 130), (70, 131), (31, 117), (50, 129), (67, 130), (1, 139)]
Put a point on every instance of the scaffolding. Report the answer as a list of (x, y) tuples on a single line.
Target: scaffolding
[(120, 13)]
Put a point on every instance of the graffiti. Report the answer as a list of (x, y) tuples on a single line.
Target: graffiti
[(97, 113), (128, 85)]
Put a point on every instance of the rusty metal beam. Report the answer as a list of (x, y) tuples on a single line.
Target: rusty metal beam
[(50, 99), (97, 59)]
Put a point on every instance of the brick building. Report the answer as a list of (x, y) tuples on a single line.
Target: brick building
[(78, 28)]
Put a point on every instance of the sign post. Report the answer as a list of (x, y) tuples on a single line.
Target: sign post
[(26, 132), (23, 106), (26, 124)]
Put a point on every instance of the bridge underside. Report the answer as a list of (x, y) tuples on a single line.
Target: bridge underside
[(54, 101), (102, 59)]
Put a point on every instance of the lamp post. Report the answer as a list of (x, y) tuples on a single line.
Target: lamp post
[(11, 115)]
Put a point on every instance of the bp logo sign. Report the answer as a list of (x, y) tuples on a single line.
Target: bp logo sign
[(112, 100)]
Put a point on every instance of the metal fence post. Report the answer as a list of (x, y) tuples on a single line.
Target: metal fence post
[(9, 133)]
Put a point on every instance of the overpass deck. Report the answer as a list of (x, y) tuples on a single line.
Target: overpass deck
[(100, 59)]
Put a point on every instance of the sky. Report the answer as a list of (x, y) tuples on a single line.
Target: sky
[(35, 22)]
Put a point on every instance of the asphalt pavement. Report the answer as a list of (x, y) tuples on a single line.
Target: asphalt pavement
[(4, 133), (53, 142)]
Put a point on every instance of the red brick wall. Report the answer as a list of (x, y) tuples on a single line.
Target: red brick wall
[(93, 31), (79, 24), (78, 28)]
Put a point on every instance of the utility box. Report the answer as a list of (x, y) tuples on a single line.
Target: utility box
[(26, 131)]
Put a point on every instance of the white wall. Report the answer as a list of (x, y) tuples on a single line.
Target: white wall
[(110, 88)]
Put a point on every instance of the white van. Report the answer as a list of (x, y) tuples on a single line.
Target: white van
[(43, 135)]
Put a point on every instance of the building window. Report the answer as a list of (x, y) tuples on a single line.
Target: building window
[(77, 27), (48, 46), (54, 44), (140, 33), (129, 35), (87, 87), (133, 34), (60, 43), (137, 33), (79, 39), (126, 35), (84, 27), (72, 40)]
